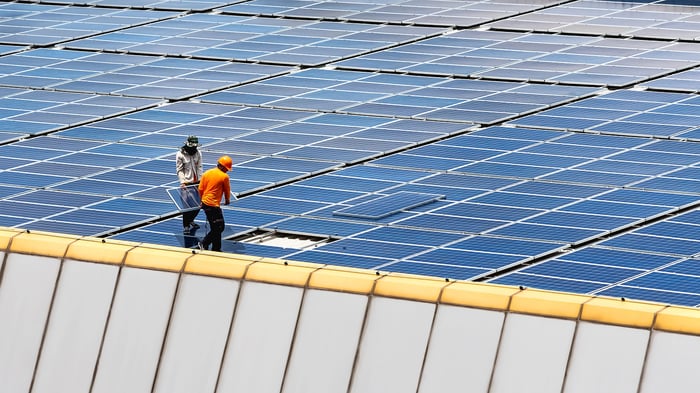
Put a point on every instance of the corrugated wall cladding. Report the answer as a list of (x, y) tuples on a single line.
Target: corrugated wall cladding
[(85, 315)]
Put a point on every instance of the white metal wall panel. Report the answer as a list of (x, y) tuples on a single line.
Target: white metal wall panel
[(325, 343), (672, 364), (76, 326), (461, 350), (25, 297), (393, 346), (606, 358), (197, 335), (532, 355), (262, 333), (135, 331)]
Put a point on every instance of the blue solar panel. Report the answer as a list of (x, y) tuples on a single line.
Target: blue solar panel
[(420, 162), (548, 283), (328, 106), (487, 211), (616, 209), (498, 169), (451, 223), (667, 282), (598, 178), (348, 183), (410, 236), (466, 258), (340, 259), (68, 227), (646, 243), (652, 295), (686, 266), (313, 226), (621, 167), (669, 184), (621, 258), (582, 271), (436, 270), (450, 193), (372, 248), (548, 233), (522, 200), (290, 206), (541, 160), (692, 217), (466, 181), (506, 246), (592, 221), (98, 217), (387, 205), (672, 229)]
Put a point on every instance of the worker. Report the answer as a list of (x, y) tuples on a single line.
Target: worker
[(212, 187), (188, 166)]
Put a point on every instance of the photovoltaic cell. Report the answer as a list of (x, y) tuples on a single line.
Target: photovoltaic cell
[(399, 11), (520, 59), (603, 19), (387, 205), (399, 110), (235, 38)]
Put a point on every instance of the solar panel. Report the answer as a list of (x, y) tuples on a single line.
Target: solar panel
[(417, 102), (387, 205), (39, 24), (599, 18), (185, 198), (53, 111), (175, 37), (128, 75), (560, 161), (432, 14)]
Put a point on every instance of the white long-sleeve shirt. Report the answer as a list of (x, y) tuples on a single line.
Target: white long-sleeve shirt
[(188, 167)]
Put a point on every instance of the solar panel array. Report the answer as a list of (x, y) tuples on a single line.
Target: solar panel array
[(550, 144)]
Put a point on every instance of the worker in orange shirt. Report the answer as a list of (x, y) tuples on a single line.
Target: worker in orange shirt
[(212, 187)]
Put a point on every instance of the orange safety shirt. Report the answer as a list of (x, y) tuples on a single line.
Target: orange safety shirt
[(213, 185)]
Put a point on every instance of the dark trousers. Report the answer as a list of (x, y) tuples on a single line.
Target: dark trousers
[(188, 217), (215, 217)]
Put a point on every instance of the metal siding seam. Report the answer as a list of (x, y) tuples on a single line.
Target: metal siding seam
[(109, 315), (646, 352), (48, 315), (4, 258), (430, 335), (230, 327), (296, 326), (500, 338), (571, 347), (170, 318), (362, 332)]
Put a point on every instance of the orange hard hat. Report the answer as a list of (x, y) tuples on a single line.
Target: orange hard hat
[(226, 162)]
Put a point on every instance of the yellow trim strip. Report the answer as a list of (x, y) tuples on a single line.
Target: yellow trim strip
[(425, 289), (41, 243), (411, 287), (552, 304), (279, 272), (6, 236), (619, 312), (471, 294), (225, 265), (679, 319), (98, 250), (157, 257), (349, 280)]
